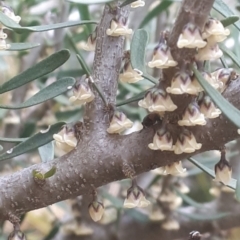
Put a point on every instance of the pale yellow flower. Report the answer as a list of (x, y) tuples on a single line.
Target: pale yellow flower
[(89, 45), (118, 29), (3, 44), (138, 3), (130, 75), (96, 210), (208, 108), (9, 12), (170, 224), (174, 169), (156, 214), (191, 37), (223, 171)]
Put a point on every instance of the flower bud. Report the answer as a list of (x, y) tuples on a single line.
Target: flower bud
[(223, 170), (170, 224), (162, 140), (181, 187), (186, 142), (119, 123), (130, 75), (192, 116), (191, 37), (162, 57), (215, 30), (119, 28), (96, 210), (175, 169), (81, 94), (138, 3), (89, 45), (208, 108)]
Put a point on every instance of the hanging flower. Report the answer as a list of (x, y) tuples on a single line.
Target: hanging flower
[(167, 196), (156, 214), (130, 75), (9, 12), (138, 3), (215, 30), (135, 198), (162, 140), (192, 116), (162, 57), (176, 203), (16, 235), (181, 187), (174, 169), (96, 210), (3, 44), (119, 28), (81, 94), (89, 45), (65, 139), (186, 143), (191, 37), (223, 170), (208, 108), (170, 224), (119, 123), (159, 171), (210, 52)]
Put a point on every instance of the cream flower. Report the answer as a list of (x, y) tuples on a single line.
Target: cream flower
[(157, 100), (138, 3), (82, 94), (65, 139), (96, 210), (119, 123), (159, 171), (3, 35), (89, 45), (174, 169), (162, 140), (181, 187), (191, 37), (170, 224), (186, 143), (215, 30), (167, 196), (208, 108), (118, 29), (130, 75), (223, 171), (192, 116), (3, 44), (9, 12), (135, 198), (156, 214), (162, 57), (182, 83), (210, 52), (176, 203)]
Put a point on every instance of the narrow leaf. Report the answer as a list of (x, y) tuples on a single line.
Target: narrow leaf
[(232, 113), (230, 54), (36, 141), (22, 46), (13, 140), (237, 192), (46, 152), (138, 46), (132, 99), (156, 11), (211, 173), (229, 21), (88, 2), (50, 173), (8, 22), (40, 69), (223, 9), (83, 64), (53, 90)]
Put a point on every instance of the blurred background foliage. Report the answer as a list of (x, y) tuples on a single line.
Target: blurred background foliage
[(22, 123)]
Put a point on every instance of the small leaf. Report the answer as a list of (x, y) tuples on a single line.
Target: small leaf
[(132, 99), (40, 69), (156, 11), (8, 22), (13, 140), (211, 173), (237, 192), (83, 64), (230, 54), (46, 152), (88, 2), (138, 46), (36, 141), (50, 173), (223, 9), (53, 90), (22, 46), (37, 174), (229, 21), (232, 113)]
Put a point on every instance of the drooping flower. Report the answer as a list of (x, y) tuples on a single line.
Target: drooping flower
[(174, 169), (130, 75), (156, 214), (162, 140), (162, 57), (82, 94), (96, 210), (138, 3), (176, 203), (223, 170), (16, 235), (215, 30), (191, 37), (186, 143), (110, 213), (208, 108), (3, 44), (157, 100), (181, 187), (167, 196), (66, 139), (170, 224), (89, 45), (192, 116), (119, 28), (135, 198), (210, 52), (119, 123), (8, 11)]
